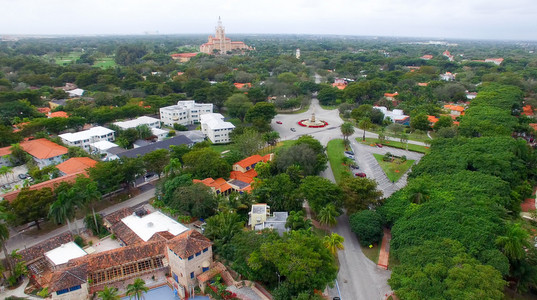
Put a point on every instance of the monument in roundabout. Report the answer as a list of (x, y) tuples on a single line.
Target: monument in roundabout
[(312, 122)]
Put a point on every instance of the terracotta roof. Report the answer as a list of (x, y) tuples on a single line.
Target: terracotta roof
[(533, 125), (43, 110), (5, 151), (390, 94), (68, 278), (454, 107), (52, 184), (426, 56), (189, 243), (432, 119), (247, 177), (219, 184), (241, 85), (247, 162), (38, 250), (116, 216), (124, 233), (185, 55), (58, 114), (423, 83), (119, 256), (527, 110), (43, 148), (76, 165), (528, 204)]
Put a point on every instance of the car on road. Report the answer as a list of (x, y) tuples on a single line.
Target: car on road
[(23, 176), (354, 167), (349, 156), (293, 130), (379, 145), (349, 152), (360, 175), (279, 122)]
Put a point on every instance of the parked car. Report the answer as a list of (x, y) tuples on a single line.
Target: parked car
[(360, 175), (349, 156), (293, 130), (355, 167), (279, 122), (23, 176), (349, 152), (379, 145)]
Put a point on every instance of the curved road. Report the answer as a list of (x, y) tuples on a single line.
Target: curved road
[(358, 277)]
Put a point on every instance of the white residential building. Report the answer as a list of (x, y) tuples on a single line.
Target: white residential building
[(84, 139), (215, 128), (397, 115), (151, 122), (184, 113)]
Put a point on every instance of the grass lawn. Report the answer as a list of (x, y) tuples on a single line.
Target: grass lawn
[(395, 144), (223, 147), (231, 146), (329, 107), (105, 62), (334, 150), (65, 59), (393, 170), (372, 253)]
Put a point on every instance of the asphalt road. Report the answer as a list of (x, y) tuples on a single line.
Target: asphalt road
[(358, 277)]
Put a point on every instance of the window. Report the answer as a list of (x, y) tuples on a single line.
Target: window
[(198, 254), (204, 269), (62, 291), (192, 275), (205, 250), (175, 277), (74, 288), (190, 257)]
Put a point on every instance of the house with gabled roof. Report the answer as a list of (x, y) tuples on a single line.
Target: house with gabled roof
[(44, 152), (76, 165)]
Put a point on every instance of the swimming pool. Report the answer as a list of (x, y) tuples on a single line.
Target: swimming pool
[(164, 293)]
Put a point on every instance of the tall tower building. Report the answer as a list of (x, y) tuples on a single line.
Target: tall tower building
[(220, 44), (297, 53)]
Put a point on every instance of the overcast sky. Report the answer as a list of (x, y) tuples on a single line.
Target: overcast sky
[(481, 19)]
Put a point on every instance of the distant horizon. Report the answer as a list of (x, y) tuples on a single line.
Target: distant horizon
[(416, 38)]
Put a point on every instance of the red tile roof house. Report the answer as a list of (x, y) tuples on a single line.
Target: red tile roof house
[(240, 178), (5, 154), (44, 152), (76, 165)]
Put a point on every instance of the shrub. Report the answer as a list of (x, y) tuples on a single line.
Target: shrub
[(387, 157), (180, 127), (79, 241), (367, 225)]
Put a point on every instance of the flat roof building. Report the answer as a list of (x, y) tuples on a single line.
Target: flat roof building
[(215, 128), (143, 120), (83, 139), (184, 112), (146, 226), (64, 253)]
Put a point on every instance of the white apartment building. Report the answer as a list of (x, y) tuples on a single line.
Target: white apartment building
[(151, 122), (184, 113), (84, 139), (215, 128)]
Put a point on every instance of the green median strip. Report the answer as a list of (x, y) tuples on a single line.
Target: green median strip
[(395, 144)]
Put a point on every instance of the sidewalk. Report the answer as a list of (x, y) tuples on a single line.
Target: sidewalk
[(18, 292), (384, 255), (21, 241)]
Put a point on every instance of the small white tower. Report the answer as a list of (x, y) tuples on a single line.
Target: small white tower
[(297, 53)]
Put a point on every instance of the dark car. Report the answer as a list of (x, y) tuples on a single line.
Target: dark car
[(23, 176), (355, 167), (360, 175), (349, 152), (293, 130), (279, 122), (379, 145)]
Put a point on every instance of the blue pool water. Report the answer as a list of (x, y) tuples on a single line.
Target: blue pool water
[(164, 293)]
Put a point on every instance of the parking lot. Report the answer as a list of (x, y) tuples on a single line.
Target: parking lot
[(11, 181)]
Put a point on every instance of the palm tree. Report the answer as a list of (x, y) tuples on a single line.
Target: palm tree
[(365, 124), (223, 226), (4, 236), (63, 209), (89, 194), (515, 242), (173, 167), (136, 289), (347, 129), (327, 215), (271, 138), (333, 243), (109, 293)]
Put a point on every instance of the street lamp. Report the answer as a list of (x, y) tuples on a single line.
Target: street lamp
[(278, 278)]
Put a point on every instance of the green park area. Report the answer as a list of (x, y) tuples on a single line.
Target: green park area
[(395, 144), (394, 167), (105, 62), (66, 58), (334, 150)]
